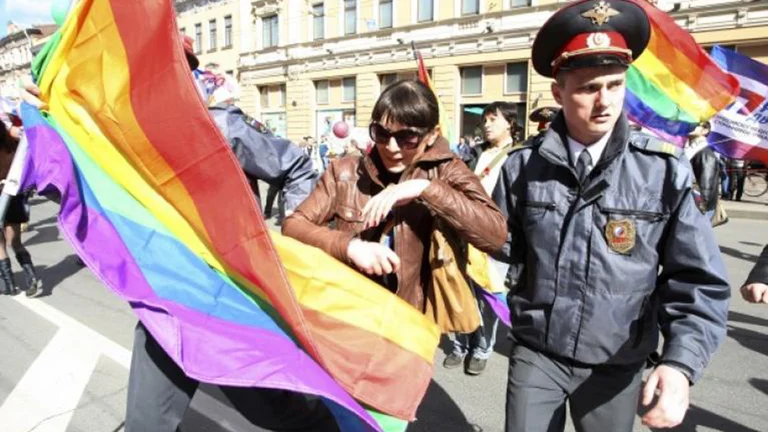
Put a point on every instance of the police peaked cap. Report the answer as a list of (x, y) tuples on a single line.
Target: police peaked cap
[(591, 33), (543, 114)]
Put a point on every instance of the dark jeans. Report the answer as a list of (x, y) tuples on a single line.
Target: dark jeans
[(159, 394), (737, 183), (601, 398), (272, 193)]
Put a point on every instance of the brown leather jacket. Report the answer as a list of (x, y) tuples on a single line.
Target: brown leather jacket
[(455, 195)]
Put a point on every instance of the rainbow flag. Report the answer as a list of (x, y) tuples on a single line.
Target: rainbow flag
[(155, 203), (674, 84), (423, 76)]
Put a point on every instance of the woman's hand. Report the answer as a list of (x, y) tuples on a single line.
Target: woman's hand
[(30, 93), (377, 209), (372, 258)]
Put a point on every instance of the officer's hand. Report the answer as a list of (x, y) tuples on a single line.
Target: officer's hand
[(377, 209), (755, 293), (30, 93), (372, 258), (673, 397)]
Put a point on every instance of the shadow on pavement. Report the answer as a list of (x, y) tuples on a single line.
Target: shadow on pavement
[(751, 243), (757, 342), (747, 319), (738, 254), (439, 413), (699, 417), (52, 276), (47, 221), (760, 384), (43, 235)]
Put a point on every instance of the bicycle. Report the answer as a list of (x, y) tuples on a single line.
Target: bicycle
[(756, 182)]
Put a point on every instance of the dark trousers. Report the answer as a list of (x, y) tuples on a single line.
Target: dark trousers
[(159, 394), (601, 398), (737, 183), (272, 193)]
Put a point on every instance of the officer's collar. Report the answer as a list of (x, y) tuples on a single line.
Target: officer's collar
[(554, 146)]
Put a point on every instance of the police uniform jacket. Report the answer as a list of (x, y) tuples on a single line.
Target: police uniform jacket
[(599, 268), (263, 156)]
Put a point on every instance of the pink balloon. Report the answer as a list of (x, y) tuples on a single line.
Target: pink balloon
[(341, 129)]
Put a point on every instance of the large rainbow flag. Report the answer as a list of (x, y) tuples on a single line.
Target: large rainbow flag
[(155, 203), (674, 84)]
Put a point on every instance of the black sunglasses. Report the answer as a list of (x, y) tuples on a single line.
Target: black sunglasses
[(407, 139)]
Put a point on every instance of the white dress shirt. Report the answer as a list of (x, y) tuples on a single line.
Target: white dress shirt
[(595, 150)]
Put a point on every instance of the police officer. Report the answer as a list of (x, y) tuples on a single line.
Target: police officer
[(606, 244), (543, 116)]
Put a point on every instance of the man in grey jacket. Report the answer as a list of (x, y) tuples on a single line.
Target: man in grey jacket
[(606, 245)]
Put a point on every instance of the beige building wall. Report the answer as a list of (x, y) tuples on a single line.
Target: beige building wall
[(227, 57), (499, 35)]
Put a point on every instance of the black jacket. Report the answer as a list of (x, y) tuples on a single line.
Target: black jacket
[(759, 273), (706, 170)]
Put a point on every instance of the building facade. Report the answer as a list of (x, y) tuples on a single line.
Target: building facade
[(16, 54), (214, 27), (305, 64)]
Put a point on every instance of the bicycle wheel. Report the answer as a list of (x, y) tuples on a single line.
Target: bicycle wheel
[(755, 185)]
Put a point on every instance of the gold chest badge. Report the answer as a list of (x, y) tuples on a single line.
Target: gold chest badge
[(621, 235)]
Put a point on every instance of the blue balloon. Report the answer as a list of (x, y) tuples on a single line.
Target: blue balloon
[(59, 10)]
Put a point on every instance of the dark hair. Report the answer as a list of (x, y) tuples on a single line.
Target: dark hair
[(408, 102), (507, 110), (6, 140)]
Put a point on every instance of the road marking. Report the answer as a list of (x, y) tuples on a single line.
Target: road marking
[(48, 394)]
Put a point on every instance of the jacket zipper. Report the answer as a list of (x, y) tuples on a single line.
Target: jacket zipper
[(640, 214)]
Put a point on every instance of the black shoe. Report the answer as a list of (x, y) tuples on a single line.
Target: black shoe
[(453, 361), (6, 274), (476, 366), (34, 284)]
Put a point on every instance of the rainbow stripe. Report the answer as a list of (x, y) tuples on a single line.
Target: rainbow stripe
[(674, 84), (156, 204)]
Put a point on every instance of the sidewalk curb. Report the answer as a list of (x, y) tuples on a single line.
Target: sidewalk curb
[(746, 214)]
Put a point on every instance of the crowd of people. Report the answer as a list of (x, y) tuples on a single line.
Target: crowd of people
[(601, 234)]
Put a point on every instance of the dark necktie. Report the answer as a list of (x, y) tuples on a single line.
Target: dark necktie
[(582, 165)]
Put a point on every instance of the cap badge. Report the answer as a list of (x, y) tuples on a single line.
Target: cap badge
[(601, 13), (598, 40), (546, 112)]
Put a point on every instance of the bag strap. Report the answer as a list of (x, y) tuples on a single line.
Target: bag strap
[(496, 160)]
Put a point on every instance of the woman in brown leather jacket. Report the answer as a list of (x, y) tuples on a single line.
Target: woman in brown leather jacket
[(383, 205), (11, 234)]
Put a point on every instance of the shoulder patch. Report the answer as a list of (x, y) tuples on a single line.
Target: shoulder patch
[(259, 126), (655, 145)]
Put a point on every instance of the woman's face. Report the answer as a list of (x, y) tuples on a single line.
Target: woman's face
[(397, 156)]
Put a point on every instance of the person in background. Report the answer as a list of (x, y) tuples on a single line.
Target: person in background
[(16, 214), (706, 169), (737, 167), (755, 289), (543, 116), (607, 245), (499, 123)]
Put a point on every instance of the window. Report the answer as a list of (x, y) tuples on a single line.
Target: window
[(282, 95), (269, 24), (212, 35), (350, 17), (321, 92), (472, 80), (183, 30), (470, 7), (425, 12), (348, 92), (387, 79), (318, 22), (198, 37), (264, 97), (228, 31), (517, 78), (519, 3), (385, 13)]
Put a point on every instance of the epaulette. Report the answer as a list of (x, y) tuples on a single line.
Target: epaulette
[(259, 126), (529, 143), (654, 145)]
